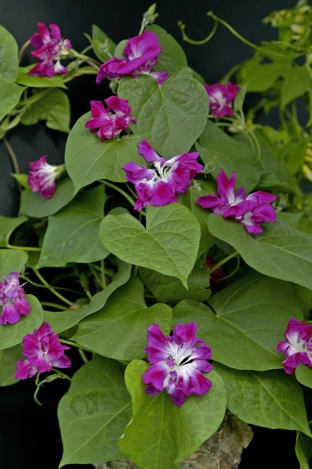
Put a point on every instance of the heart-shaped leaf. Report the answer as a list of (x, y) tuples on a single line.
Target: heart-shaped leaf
[(11, 260), (153, 247)]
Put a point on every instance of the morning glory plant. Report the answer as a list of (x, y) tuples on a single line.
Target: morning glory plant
[(169, 259)]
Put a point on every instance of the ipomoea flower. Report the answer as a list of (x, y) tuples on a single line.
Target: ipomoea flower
[(42, 177), (51, 47), (250, 210), (43, 351), (161, 186), (297, 347), (140, 54), (12, 300), (221, 98), (110, 125), (178, 363)]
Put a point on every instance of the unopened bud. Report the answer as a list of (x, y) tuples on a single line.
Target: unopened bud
[(209, 166)]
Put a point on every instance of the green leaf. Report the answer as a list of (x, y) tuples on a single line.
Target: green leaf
[(189, 199), (230, 156), (10, 94), (280, 251), (53, 107), (38, 82), (304, 375), (172, 55), (160, 433), (7, 226), (123, 321), (12, 334), (102, 45), (124, 236), (12, 260), (170, 116), (260, 77), (73, 233), (304, 449), (296, 83), (8, 359), (94, 412), (166, 289), (270, 399), (250, 318), (33, 205), (8, 56), (88, 159)]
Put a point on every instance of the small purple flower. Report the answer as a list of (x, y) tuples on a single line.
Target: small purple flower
[(42, 177), (162, 185), (43, 351), (51, 47), (178, 363), (298, 346), (221, 97), (12, 300), (250, 210), (110, 125), (140, 54)]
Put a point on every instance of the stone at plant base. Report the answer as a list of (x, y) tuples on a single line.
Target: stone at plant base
[(222, 451)]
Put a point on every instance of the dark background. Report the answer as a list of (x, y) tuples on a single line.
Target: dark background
[(29, 434)]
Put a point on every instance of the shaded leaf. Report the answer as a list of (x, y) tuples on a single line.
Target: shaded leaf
[(172, 55), (8, 56), (8, 359), (10, 94), (25, 79), (102, 45), (304, 449), (7, 226), (12, 260)]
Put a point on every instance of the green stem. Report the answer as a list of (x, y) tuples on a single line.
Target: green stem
[(23, 248), (73, 344), (234, 271), (103, 273), (61, 297), (61, 374), (197, 43), (53, 305), (219, 264), (83, 355), (127, 196)]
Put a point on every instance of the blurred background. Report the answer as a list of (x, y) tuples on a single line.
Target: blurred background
[(29, 434)]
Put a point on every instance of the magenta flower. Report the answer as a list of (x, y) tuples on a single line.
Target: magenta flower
[(178, 363), (110, 125), (140, 54), (12, 300), (51, 47), (42, 177), (43, 351), (162, 185), (298, 346), (221, 97), (250, 210)]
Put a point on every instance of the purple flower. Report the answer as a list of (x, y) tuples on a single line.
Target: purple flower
[(43, 351), (12, 300), (110, 125), (178, 363), (298, 346), (42, 177), (51, 47), (161, 186), (140, 54), (221, 97), (250, 210)]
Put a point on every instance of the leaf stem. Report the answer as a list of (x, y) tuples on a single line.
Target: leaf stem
[(219, 264), (23, 248), (53, 305), (73, 344), (52, 290)]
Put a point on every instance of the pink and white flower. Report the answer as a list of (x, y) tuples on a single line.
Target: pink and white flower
[(43, 351), (12, 300), (250, 210), (297, 347), (162, 185), (110, 125), (42, 177), (140, 54), (178, 363), (221, 98), (51, 47)]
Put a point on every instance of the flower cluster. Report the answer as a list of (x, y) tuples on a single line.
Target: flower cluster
[(42, 177), (12, 300), (297, 347), (221, 98), (140, 54), (250, 210), (178, 362), (161, 186), (110, 125), (43, 351), (51, 47)]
